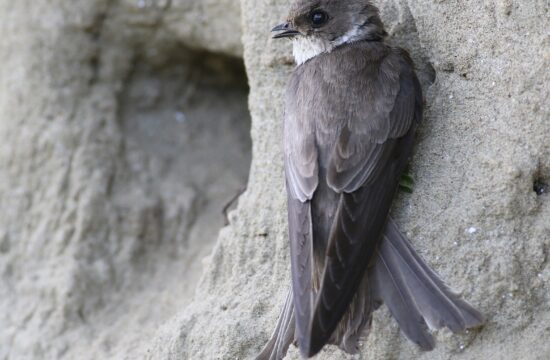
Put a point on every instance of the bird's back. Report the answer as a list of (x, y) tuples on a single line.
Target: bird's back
[(325, 94), (351, 116)]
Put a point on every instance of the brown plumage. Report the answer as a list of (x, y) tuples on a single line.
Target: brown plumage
[(352, 108)]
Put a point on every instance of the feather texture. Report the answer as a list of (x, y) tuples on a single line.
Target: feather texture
[(301, 261)]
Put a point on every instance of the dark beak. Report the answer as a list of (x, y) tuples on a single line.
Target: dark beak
[(287, 31)]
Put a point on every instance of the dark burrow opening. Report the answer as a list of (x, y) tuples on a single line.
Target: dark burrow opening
[(187, 142), (185, 153)]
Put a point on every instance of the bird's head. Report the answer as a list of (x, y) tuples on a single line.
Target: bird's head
[(330, 23)]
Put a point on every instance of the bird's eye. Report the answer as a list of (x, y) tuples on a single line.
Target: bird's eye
[(318, 18)]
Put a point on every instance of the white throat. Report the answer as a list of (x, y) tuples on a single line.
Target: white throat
[(308, 47)]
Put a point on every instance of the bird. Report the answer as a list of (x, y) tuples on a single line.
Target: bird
[(353, 104)]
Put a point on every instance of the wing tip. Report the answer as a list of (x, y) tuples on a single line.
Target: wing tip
[(312, 350), (427, 343), (314, 341)]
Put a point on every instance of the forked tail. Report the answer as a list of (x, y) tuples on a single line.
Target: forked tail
[(415, 295)]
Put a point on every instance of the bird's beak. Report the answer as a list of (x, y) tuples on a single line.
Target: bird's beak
[(287, 31)]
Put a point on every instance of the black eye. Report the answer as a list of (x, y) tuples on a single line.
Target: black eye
[(319, 17)]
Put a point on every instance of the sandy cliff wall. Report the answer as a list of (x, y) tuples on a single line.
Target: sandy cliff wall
[(474, 213), (120, 143), (103, 224)]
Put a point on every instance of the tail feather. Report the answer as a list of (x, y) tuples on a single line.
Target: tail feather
[(283, 335), (438, 305), (391, 288), (441, 307), (415, 295), (356, 323)]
